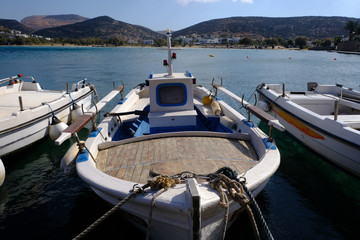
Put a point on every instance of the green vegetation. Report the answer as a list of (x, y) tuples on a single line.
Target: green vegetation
[(301, 42), (43, 41), (354, 29), (238, 32)]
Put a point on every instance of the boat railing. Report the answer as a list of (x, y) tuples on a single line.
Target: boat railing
[(9, 79), (81, 83), (263, 116)]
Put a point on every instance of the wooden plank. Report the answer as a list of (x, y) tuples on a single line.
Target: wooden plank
[(173, 155), (79, 123)]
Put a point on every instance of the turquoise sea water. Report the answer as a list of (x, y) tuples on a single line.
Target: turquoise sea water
[(307, 198)]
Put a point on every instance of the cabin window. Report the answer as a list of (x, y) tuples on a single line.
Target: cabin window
[(171, 94)]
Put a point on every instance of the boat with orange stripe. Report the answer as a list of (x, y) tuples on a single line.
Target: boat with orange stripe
[(326, 118)]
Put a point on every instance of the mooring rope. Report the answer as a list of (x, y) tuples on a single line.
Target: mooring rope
[(228, 172), (135, 191), (161, 183), (224, 179), (259, 214)]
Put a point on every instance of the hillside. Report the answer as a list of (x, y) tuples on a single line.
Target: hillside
[(15, 25), (256, 27), (101, 27), (38, 22), (290, 27)]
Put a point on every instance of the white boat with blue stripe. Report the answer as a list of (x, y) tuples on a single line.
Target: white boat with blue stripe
[(176, 158)]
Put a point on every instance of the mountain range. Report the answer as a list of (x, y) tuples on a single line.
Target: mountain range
[(74, 26), (100, 27), (38, 22), (271, 27)]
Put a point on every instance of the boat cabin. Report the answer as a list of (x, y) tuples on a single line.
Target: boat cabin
[(171, 102)]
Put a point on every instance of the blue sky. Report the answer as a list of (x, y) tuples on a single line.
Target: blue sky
[(178, 14)]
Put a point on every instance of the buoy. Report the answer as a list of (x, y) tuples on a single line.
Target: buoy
[(263, 105), (290, 57), (67, 163), (76, 112), (247, 56), (211, 55), (56, 128), (215, 106), (335, 59), (207, 99), (2, 173)]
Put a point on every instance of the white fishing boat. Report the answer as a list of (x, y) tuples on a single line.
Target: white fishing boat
[(163, 152), (326, 118), (28, 113)]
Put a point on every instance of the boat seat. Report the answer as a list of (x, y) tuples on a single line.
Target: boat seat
[(172, 121), (352, 121)]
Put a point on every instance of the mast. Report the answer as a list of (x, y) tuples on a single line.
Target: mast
[(168, 36), (171, 56)]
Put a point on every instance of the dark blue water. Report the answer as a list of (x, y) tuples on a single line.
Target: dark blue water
[(307, 198)]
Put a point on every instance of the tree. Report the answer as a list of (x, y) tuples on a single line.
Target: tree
[(160, 42), (301, 42), (246, 41), (337, 40), (290, 42), (271, 41), (326, 43), (353, 27)]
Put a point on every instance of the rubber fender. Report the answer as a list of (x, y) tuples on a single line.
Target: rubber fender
[(67, 163), (2, 173), (215, 106)]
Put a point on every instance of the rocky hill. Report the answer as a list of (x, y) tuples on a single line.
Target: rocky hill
[(38, 22), (256, 27), (289, 27), (15, 25), (101, 27)]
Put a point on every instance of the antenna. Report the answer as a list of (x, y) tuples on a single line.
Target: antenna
[(169, 62)]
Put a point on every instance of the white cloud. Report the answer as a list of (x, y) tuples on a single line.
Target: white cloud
[(185, 2), (244, 1)]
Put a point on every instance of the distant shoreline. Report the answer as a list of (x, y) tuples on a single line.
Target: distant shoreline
[(144, 46)]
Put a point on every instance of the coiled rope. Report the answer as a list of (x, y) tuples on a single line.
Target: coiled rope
[(230, 178), (224, 179)]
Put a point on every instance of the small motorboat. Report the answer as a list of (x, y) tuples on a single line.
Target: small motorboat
[(326, 118), (193, 157), (29, 113)]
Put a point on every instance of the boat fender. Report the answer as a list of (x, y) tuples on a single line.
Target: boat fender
[(56, 128), (215, 106), (263, 105), (67, 164), (2, 173), (76, 112), (227, 122), (207, 99)]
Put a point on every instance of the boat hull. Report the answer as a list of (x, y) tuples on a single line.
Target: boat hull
[(173, 210), (33, 125), (172, 214), (185, 154), (324, 136)]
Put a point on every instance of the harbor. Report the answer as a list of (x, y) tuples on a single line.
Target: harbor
[(306, 198)]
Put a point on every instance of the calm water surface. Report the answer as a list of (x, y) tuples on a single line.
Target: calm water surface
[(307, 198)]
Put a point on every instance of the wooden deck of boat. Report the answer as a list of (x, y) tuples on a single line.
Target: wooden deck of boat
[(137, 161)]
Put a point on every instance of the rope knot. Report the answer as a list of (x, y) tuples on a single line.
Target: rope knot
[(162, 181)]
